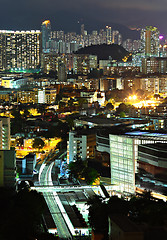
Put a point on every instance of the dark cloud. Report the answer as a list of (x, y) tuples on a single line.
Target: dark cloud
[(28, 14)]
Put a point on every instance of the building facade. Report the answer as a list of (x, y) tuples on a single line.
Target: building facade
[(84, 63), (4, 133), (7, 168), (152, 167), (20, 50), (46, 35), (47, 96), (124, 155), (150, 41), (81, 145)]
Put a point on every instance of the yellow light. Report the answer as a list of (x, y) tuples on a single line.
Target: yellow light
[(134, 97), (46, 22)]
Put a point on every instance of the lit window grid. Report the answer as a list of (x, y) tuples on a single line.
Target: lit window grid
[(122, 163)]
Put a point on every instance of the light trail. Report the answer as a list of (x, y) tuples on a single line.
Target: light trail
[(55, 206)]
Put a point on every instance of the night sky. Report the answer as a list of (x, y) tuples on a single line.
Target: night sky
[(65, 14)]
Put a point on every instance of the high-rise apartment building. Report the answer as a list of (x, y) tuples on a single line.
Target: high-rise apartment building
[(82, 29), (46, 35), (20, 50), (150, 41), (108, 35), (116, 37), (62, 72)]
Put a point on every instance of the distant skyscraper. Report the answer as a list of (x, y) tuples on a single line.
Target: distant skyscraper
[(20, 50), (150, 41), (108, 35), (62, 74), (46, 35), (115, 35), (82, 30)]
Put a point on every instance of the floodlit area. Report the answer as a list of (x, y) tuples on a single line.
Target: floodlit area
[(146, 103), (50, 144)]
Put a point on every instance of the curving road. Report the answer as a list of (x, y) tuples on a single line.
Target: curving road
[(54, 204)]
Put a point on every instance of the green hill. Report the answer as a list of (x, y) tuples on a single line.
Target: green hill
[(104, 51)]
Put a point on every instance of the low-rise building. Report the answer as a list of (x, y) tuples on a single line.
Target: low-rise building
[(121, 228), (152, 167), (81, 144), (47, 96), (25, 166)]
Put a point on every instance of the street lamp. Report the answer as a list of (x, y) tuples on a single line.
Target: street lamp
[(134, 97)]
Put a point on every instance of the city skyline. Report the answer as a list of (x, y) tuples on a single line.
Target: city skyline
[(21, 15)]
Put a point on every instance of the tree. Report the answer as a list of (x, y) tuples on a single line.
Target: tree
[(77, 168), (70, 122), (82, 101), (21, 212), (109, 106), (42, 109), (98, 216), (38, 143), (140, 93), (117, 205), (122, 114), (122, 108), (71, 102), (90, 175), (26, 113), (16, 114), (62, 104), (19, 141)]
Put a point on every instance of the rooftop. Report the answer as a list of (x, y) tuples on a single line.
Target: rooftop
[(124, 223)]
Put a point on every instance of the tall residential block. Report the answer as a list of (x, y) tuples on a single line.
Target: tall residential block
[(20, 50), (108, 35), (150, 41), (46, 35)]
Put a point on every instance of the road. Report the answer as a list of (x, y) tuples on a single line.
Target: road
[(54, 204)]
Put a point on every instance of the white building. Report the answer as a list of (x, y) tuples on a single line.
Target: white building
[(12, 82), (4, 133), (124, 154), (81, 145)]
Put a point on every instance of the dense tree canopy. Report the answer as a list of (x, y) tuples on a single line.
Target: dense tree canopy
[(142, 209), (21, 214), (38, 143), (79, 169)]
